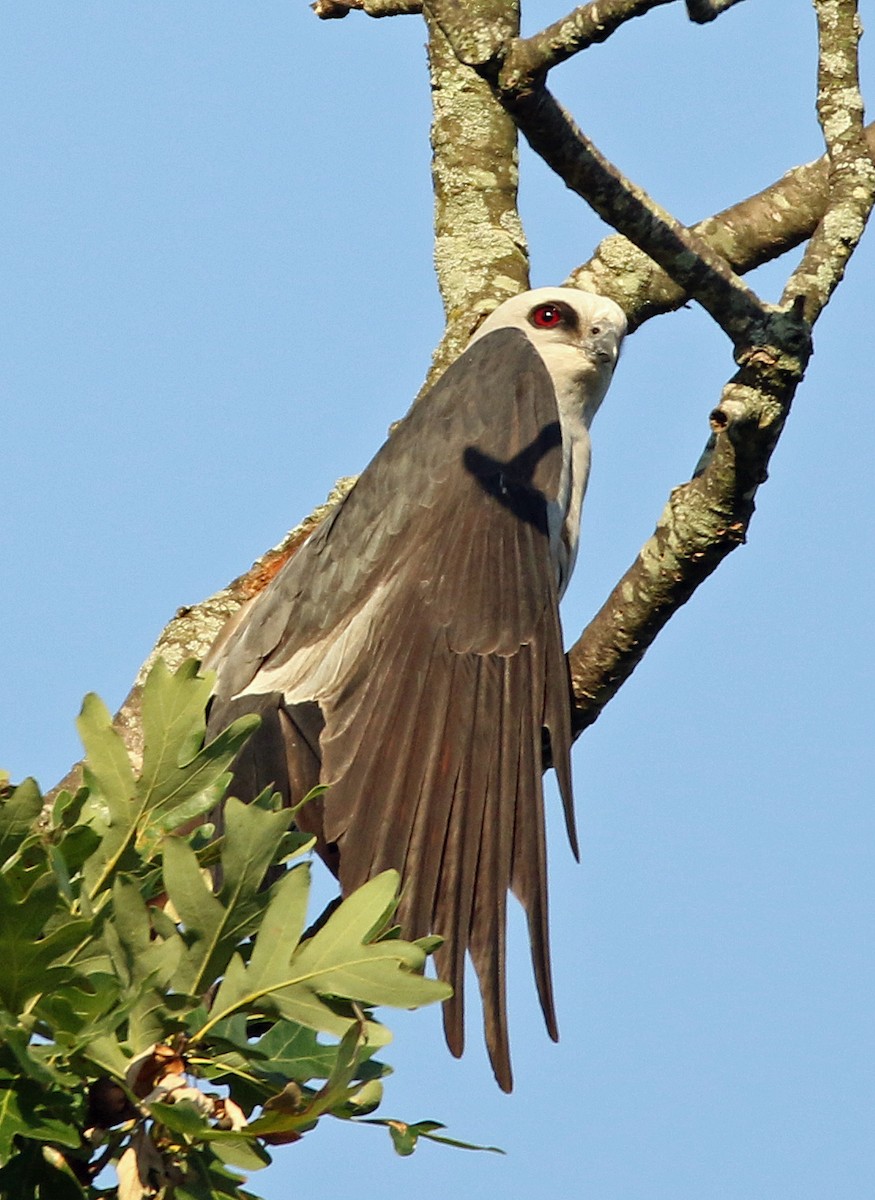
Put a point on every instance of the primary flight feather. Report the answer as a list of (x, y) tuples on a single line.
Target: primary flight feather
[(409, 655)]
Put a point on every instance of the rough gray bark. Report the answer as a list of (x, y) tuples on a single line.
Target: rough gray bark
[(480, 254)]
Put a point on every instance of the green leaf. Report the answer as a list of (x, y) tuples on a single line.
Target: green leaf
[(82, 1003), (17, 817), (107, 768), (239, 1151), (67, 809), (130, 921), (249, 847), (199, 911), (295, 1052), (26, 1110), (177, 785), (182, 780), (11, 1119), (181, 1117), (214, 926), (33, 961), (299, 982), (147, 966), (344, 962), (172, 714), (361, 1100), (405, 1136), (77, 846), (334, 1094), (278, 936), (21, 1058)]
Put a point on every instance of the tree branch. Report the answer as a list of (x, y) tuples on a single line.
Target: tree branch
[(481, 256), (688, 259), (748, 234), (706, 518), (703, 521), (332, 10), (851, 171), (527, 59), (553, 135)]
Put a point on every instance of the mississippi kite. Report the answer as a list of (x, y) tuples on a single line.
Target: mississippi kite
[(410, 656)]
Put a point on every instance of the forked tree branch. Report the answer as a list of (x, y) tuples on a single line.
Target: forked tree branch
[(554, 136), (747, 234), (706, 518), (526, 60)]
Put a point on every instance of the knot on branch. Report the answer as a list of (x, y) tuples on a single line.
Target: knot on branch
[(775, 356), (483, 47), (729, 412), (523, 70)]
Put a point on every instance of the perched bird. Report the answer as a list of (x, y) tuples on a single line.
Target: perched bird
[(409, 655)]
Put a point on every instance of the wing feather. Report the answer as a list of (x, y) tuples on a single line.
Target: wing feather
[(422, 617)]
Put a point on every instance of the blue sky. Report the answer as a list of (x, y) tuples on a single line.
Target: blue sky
[(217, 294)]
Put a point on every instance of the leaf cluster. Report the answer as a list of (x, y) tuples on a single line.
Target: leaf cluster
[(164, 1010)]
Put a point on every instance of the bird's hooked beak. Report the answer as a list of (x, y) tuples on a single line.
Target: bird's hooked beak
[(603, 343)]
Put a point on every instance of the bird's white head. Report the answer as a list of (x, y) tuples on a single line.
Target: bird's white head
[(577, 334)]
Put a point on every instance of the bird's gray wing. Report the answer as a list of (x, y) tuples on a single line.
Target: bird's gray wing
[(435, 577)]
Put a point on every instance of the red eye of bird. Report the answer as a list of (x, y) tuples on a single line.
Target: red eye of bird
[(547, 316)]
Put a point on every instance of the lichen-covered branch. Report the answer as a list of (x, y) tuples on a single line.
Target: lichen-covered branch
[(851, 171), (706, 518), (529, 58), (748, 234), (703, 521), (480, 252), (525, 61), (553, 135), (688, 259)]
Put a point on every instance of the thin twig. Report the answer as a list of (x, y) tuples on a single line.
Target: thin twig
[(332, 10), (531, 57)]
